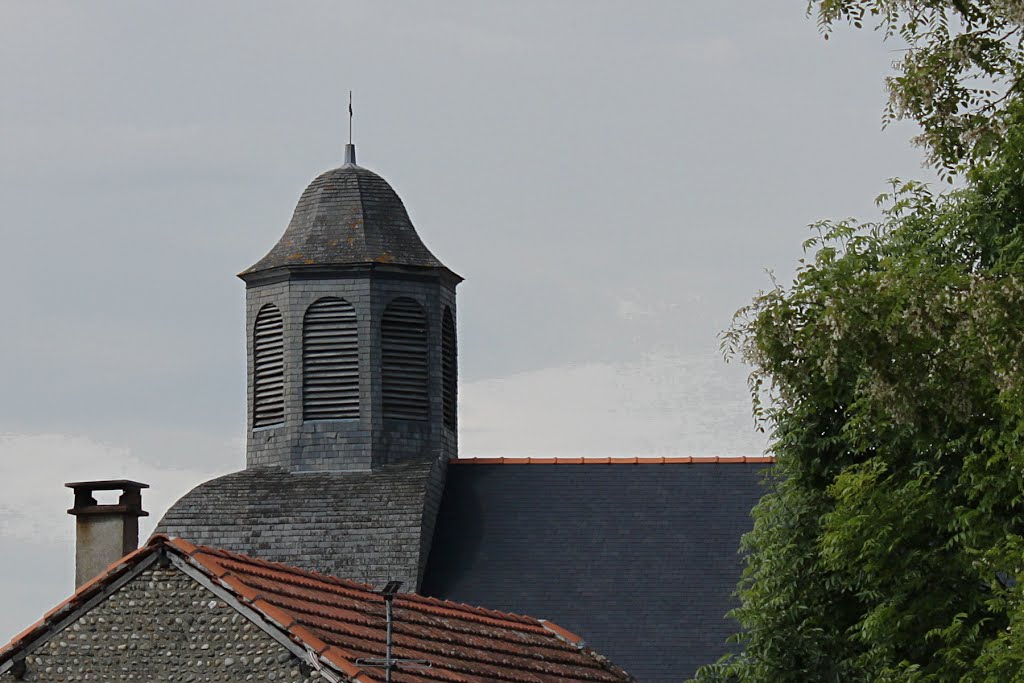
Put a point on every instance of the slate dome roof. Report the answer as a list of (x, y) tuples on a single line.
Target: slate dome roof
[(348, 216)]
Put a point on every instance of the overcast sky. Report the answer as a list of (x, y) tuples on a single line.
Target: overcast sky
[(611, 178)]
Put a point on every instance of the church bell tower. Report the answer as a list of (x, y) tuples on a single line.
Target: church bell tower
[(350, 334)]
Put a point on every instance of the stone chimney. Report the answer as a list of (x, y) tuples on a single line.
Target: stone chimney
[(104, 533)]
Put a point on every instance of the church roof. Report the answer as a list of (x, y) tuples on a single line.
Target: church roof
[(348, 216), (336, 623), (370, 525), (641, 556)]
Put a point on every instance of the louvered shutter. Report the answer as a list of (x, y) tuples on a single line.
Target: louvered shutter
[(449, 368), (330, 361), (268, 368), (404, 361)]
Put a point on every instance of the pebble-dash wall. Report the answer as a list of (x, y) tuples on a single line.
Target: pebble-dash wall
[(162, 626)]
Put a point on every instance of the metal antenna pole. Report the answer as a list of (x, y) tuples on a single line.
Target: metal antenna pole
[(390, 663)]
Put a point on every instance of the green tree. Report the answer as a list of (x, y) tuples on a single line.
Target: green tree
[(891, 372), (962, 66)]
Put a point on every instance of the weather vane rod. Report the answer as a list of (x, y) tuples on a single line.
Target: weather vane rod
[(350, 117)]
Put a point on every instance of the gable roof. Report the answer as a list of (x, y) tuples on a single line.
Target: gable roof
[(338, 622), (639, 555)]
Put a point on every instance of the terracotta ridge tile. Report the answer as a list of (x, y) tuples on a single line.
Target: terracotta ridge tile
[(274, 614), (563, 633), (605, 460), (343, 661), (181, 545), (240, 588), (307, 638)]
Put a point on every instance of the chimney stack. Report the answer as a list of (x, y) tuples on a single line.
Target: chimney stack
[(104, 533)]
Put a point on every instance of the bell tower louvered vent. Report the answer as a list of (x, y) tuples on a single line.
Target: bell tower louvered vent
[(449, 372), (268, 368), (351, 335), (330, 361), (404, 361)]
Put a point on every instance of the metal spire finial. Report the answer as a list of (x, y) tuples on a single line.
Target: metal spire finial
[(350, 149)]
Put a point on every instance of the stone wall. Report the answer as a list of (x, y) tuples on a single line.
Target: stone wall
[(162, 626)]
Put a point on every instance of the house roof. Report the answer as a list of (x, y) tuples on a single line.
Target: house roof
[(339, 622), (370, 526), (639, 555), (348, 216)]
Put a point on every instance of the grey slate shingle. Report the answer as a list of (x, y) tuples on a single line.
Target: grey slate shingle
[(365, 526), (639, 560), (348, 215)]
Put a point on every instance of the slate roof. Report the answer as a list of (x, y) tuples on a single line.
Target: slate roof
[(348, 216), (337, 622), (638, 556), (369, 526)]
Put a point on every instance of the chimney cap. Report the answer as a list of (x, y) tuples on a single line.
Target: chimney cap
[(129, 504), (107, 485)]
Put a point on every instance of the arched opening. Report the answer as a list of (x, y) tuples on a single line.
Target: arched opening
[(268, 368), (330, 361), (403, 341), (449, 369)]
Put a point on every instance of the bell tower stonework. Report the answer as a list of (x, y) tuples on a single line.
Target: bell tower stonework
[(350, 334), (352, 383)]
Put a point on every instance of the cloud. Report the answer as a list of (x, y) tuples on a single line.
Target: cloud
[(663, 404), (35, 467)]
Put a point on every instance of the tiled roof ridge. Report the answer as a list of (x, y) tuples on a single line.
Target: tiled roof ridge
[(636, 460)]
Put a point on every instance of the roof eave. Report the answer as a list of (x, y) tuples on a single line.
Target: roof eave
[(255, 278)]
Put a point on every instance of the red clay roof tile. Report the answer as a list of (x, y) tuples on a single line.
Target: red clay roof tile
[(344, 621)]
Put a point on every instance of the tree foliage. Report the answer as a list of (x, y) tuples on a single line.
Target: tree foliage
[(891, 544), (963, 65)]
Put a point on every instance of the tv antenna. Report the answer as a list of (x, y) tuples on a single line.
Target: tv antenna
[(389, 663)]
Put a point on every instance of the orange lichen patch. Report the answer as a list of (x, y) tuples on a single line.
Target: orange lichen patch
[(689, 460), (385, 258)]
